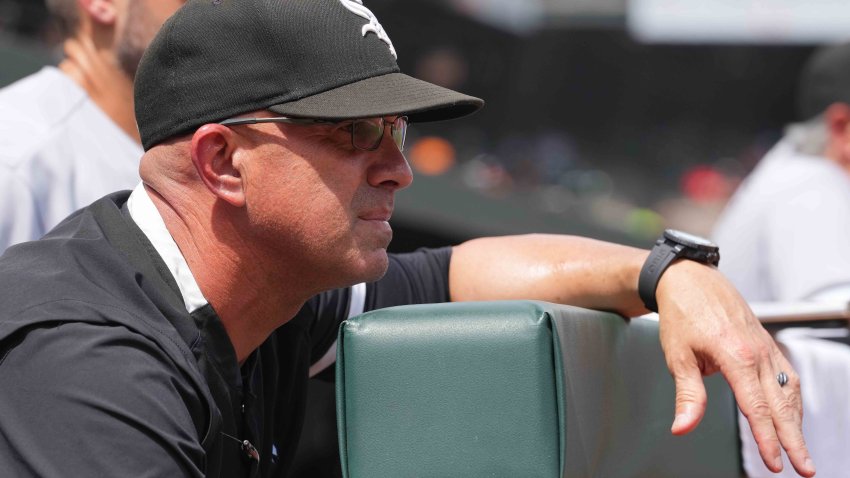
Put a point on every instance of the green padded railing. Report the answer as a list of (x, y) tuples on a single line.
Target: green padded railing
[(517, 389)]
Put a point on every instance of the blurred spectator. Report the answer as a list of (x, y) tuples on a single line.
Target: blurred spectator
[(68, 134), (785, 235)]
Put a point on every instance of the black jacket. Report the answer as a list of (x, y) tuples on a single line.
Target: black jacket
[(103, 372)]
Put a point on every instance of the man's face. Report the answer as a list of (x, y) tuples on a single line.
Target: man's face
[(138, 22), (321, 204)]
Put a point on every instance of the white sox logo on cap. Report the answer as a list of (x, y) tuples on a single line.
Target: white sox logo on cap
[(357, 7)]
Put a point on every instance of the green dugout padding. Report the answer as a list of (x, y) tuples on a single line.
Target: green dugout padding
[(518, 389)]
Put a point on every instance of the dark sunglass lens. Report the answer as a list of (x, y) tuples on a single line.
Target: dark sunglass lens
[(366, 133)]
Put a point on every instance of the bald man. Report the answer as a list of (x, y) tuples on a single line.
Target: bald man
[(170, 331)]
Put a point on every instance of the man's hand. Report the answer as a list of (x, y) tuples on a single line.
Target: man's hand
[(706, 326)]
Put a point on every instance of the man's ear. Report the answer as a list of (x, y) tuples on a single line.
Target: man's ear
[(212, 150), (104, 12)]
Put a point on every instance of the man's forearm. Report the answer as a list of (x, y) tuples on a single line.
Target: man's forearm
[(563, 269), (705, 325)]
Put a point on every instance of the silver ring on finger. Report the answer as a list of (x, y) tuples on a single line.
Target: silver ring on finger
[(782, 378)]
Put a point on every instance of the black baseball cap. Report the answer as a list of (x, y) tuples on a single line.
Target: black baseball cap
[(323, 59), (825, 80)]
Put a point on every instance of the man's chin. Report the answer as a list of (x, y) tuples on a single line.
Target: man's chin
[(366, 266), (375, 266)]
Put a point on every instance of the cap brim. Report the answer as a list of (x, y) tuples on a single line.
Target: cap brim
[(384, 95)]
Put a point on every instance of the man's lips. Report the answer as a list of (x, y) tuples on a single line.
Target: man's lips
[(378, 222), (382, 215)]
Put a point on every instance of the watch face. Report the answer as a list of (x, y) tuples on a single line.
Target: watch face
[(689, 239)]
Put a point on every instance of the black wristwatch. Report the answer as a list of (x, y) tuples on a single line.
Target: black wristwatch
[(671, 246)]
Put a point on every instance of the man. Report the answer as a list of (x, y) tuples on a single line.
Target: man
[(164, 332), (67, 134), (785, 232)]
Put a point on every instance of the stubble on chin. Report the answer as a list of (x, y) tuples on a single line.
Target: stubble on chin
[(374, 266)]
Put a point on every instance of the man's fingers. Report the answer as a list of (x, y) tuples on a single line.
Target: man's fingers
[(788, 416), (690, 395), (723, 335), (747, 387), (773, 411)]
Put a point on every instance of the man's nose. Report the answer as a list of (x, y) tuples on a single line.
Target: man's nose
[(390, 169)]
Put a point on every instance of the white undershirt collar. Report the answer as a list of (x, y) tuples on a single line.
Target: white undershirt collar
[(147, 217)]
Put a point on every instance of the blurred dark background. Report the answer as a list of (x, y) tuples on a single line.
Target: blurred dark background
[(587, 130)]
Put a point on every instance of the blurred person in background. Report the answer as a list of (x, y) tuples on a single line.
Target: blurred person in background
[(785, 233), (68, 134)]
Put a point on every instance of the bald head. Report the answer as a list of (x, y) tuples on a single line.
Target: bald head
[(169, 164), (197, 162)]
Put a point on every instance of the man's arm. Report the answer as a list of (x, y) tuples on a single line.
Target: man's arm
[(705, 325)]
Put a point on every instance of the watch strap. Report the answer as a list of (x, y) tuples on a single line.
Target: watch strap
[(660, 258)]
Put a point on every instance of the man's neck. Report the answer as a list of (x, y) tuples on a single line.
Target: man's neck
[(96, 70), (249, 303)]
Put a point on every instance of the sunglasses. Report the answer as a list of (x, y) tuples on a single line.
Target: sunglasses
[(366, 133)]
